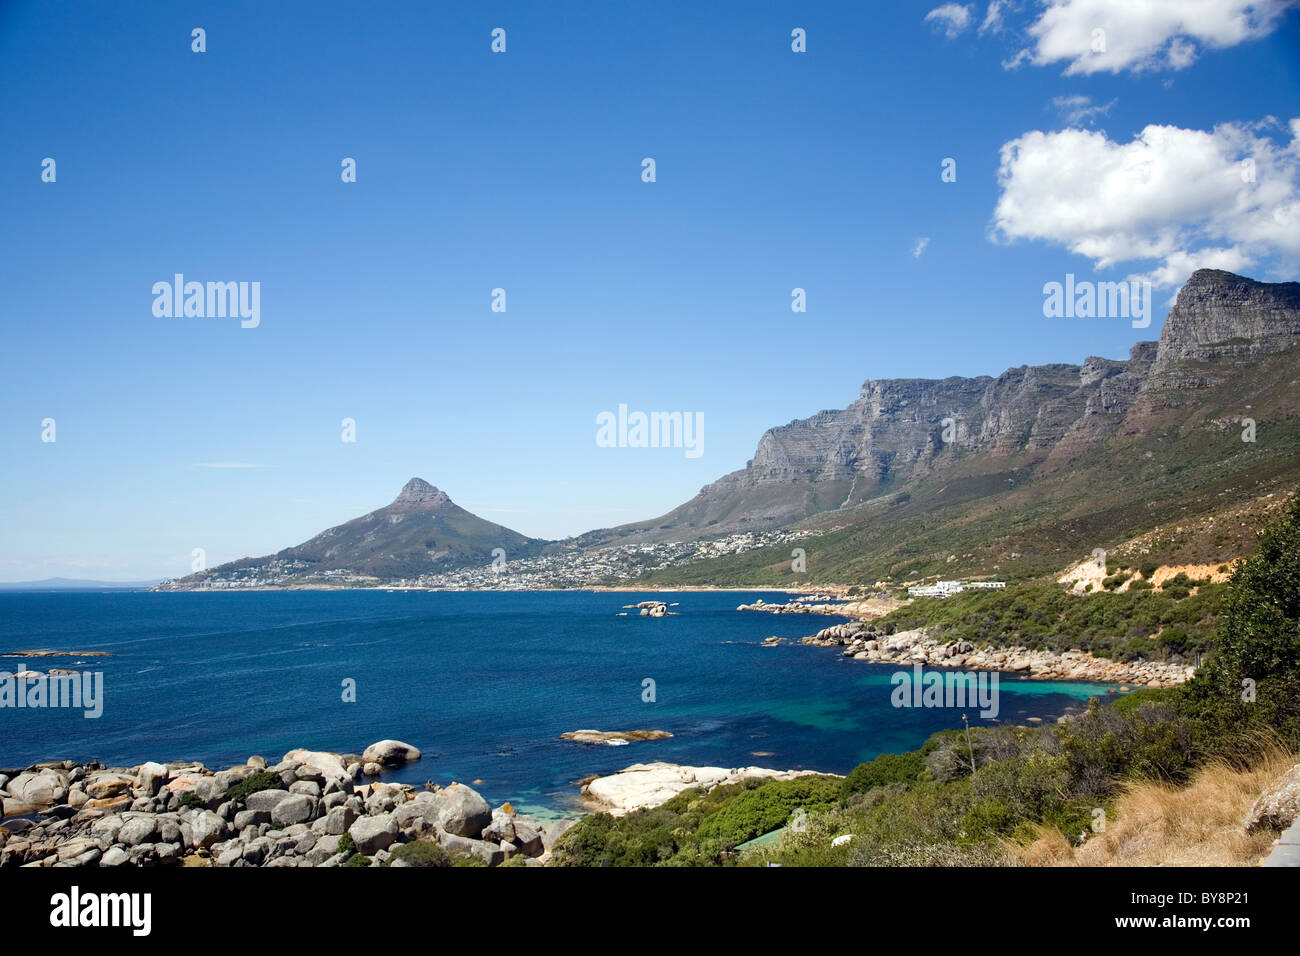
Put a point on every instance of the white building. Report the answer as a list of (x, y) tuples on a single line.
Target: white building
[(943, 589)]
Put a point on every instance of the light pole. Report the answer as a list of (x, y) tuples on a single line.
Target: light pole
[(969, 745)]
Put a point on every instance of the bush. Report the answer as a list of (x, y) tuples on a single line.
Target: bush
[(254, 783), (885, 769), (766, 808), (1106, 745), (693, 828), (1259, 638), (420, 853), (346, 845), (357, 859)]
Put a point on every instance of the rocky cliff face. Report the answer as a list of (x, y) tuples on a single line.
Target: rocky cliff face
[(901, 430), (1218, 313), (417, 491)]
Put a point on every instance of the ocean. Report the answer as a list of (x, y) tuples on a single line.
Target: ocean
[(483, 683)]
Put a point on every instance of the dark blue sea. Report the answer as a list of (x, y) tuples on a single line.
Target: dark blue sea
[(483, 683)]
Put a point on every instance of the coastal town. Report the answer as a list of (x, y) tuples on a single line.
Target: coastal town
[(569, 566)]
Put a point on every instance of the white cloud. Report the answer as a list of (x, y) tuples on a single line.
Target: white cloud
[(993, 21), (951, 18), (1182, 197), (1096, 36), (920, 247), (1079, 110)]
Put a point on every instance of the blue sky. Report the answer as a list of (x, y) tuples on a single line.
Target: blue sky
[(522, 170)]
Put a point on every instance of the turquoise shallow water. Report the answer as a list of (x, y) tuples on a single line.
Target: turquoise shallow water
[(483, 682)]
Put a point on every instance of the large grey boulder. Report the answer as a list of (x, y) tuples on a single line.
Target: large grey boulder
[(1278, 806), (295, 808), (390, 753), (251, 818), (206, 828), (489, 853), (103, 784), (169, 828), (138, 830), (381, 801), (501, 829), (107, 828), (325, 764), (462, 811), (212, 790), (528, 838), (338, 821), (255, 851), (230, 853), (39, 789), (265, 800), (329, 845), (150, 777), (372, 834), (413, 810)]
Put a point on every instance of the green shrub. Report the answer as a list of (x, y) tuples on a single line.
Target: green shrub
[(768, 807), (885, 769), (357, 859), (420, 853), (693, 828), (1106, 745), (254, 783), (1259, 642)]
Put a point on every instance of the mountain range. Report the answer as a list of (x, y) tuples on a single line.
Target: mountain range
[(969, 475)]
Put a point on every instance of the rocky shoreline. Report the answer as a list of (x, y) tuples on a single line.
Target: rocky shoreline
[(309, 809), (863, 642)]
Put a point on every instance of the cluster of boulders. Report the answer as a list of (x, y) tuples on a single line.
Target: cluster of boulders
[(864, 642), (310, 809), (793, 607), (650, 608)]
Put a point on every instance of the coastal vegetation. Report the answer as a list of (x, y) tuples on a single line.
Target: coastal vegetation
[(694, 827), (1176, 623), (1014, 795)]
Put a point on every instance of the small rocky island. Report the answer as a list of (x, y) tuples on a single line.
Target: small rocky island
[(651, 608), (614, 738)]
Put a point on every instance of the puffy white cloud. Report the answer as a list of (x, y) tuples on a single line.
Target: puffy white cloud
[(951, 18), (1079, 110), (1095, 36), (920, 247), (1184, 197)]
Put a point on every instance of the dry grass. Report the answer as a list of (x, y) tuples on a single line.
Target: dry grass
[(1155, 825)]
